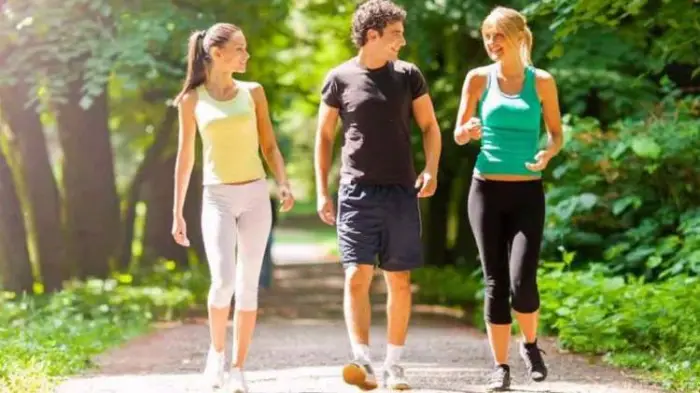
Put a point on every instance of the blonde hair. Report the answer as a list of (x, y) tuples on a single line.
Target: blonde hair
[(511, 23)]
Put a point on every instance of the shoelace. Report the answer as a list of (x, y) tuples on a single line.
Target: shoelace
[(369, 369), (396, 371), (534, 356)]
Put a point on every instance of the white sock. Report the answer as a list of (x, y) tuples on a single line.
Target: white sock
[(360, 353), (393, 355), (213, 350)]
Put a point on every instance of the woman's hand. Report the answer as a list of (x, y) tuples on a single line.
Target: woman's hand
[(468, 131), (541, 160), (286, 197), (179, 231)]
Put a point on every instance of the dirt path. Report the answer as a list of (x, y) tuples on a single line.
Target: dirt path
[(301, 342)]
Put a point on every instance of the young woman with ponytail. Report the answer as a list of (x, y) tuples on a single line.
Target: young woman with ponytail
[(506, 205), (234, 125)]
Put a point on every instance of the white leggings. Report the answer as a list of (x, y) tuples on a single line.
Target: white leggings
[(236, 223)]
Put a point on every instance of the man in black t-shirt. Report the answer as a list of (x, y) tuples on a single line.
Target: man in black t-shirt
[(375, 95)]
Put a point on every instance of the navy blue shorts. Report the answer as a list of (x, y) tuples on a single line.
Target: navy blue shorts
[(379, 225)]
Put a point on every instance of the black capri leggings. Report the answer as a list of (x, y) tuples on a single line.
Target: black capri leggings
[(507, 219)]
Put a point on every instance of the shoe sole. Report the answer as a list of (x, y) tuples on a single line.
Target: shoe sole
[(539, 379), (216, 384), (398, 386), (355, 375), (504, 388)]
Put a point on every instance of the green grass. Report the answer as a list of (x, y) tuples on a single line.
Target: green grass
[(303, 208), (303, 226), (47, 337), (322, 235)]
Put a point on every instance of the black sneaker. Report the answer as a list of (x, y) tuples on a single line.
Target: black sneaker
[(532, 356), (499, 380)]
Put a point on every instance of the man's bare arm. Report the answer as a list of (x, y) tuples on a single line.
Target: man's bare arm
[(323, 152)]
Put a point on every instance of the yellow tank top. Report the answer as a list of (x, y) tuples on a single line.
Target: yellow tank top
[(229, 132)]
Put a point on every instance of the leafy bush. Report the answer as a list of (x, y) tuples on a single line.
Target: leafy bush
[(650, 326), (450, 285), (628, 195), (166, 274), (44, 337)]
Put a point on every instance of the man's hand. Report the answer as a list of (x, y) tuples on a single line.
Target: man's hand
[(325, 209), (427, 182)]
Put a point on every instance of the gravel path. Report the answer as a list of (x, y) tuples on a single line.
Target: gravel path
[(301, 342)]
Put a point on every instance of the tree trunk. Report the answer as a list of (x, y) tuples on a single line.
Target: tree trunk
[(193, 213), (147, 167), (91, 200), (158, 193), (41, 189), (15, 266)]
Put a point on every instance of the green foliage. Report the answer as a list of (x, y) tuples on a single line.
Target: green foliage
[(165, 274), (451, 286), (45, 337), (628, 195), (63, 41), (660, 29), (321, 41), (634, 324)]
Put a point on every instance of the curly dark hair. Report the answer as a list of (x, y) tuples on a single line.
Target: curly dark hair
[(374, 15)]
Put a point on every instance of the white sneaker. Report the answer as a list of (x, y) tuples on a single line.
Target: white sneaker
[(214, 369), (394, 378), (236, 382)]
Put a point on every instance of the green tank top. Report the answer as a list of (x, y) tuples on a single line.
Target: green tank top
[(510, 127)]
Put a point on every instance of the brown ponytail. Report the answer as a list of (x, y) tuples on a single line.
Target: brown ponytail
[(196, 64), (526, 47)]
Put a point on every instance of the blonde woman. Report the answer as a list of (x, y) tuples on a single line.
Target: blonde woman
[(506, 200), (234, 124)]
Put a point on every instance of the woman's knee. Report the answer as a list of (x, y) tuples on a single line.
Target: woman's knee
[(220, 293), (526, 296), (497, 303), (247, 297)]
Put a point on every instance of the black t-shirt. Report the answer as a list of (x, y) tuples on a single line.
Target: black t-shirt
[(375, 109)]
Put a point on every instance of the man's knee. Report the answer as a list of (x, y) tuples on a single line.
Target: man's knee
[(358, 279), (398, 283)]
